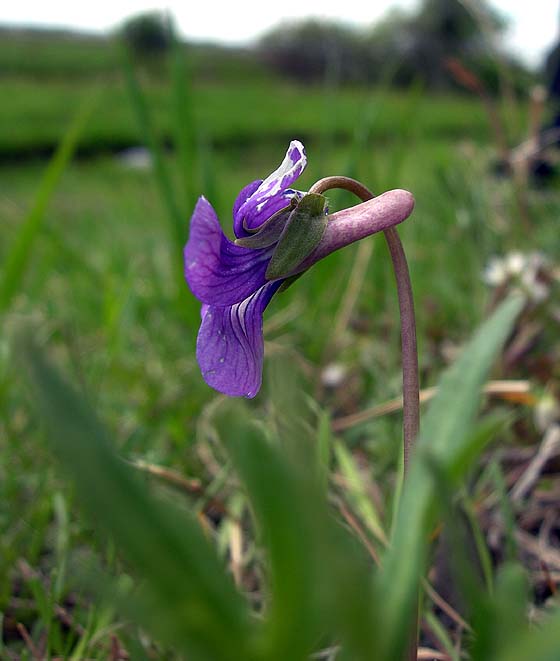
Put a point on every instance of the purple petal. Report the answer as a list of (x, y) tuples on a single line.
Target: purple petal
[(217, 271), (273, 193), (243, 196), (230, 344)]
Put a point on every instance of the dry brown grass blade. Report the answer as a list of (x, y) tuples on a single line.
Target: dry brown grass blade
[(470, 81), (353, 522), (440, 602), (532, 546), (191, 486), (236, 552), (35, 653), (549, 447), (351, 295), (428, 654), (518, 391)]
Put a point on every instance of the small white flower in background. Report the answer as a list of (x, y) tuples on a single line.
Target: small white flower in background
[(536, 289), (333, 375), (547, 412), (495, 273), (524, 270), (516, 263), (532, 278)]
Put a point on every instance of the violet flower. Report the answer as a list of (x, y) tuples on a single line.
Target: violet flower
[(280, 232)]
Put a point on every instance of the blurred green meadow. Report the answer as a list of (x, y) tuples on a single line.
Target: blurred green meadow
[(97, 287)]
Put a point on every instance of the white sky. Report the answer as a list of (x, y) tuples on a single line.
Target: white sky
[(534, 23)]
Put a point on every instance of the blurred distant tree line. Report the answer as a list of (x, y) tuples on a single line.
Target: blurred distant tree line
[(425, 47), (148, 34), (401, 49)]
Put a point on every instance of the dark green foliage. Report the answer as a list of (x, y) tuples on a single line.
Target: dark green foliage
[(402, 48), (187, 596), (318, 582), (148, 35), (313, 50)]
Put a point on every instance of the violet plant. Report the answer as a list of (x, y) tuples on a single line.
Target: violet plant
[(280, 233)]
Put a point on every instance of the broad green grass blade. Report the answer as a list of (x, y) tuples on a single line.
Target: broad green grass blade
[(444, 436), (318, 575), (340, 567), (289, 517), (498, 618), (194, 603), (479, 437), (14, 268), (540, 644)]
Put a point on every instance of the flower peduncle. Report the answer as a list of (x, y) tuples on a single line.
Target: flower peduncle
[(411, 392), (398, 202), (358, 222)]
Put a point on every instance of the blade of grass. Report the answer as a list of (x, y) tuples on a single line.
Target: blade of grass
[(318, 572), (194, 602), (286, 511), (540, 644), (18, 256), (484, 556), (442, 635), (444, 437), (506, 510), (185, 128), (357, 493), (206, 167), (176, 218), (498, 618)]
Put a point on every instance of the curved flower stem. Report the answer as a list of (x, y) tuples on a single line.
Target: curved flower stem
[(411, 399)]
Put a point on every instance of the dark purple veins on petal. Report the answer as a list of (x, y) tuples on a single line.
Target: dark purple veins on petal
[(217, 271), (230, 344)]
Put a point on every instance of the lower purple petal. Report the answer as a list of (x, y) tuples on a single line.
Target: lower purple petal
[(217, 271), (230, 345)]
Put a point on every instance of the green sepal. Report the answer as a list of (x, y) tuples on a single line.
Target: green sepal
[(301, 235), (289, 281), (269, 232)]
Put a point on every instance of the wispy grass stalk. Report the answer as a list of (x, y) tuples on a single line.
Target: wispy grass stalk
[(19, 255)]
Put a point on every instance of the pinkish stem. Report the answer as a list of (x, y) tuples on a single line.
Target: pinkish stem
[(411, 399)]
